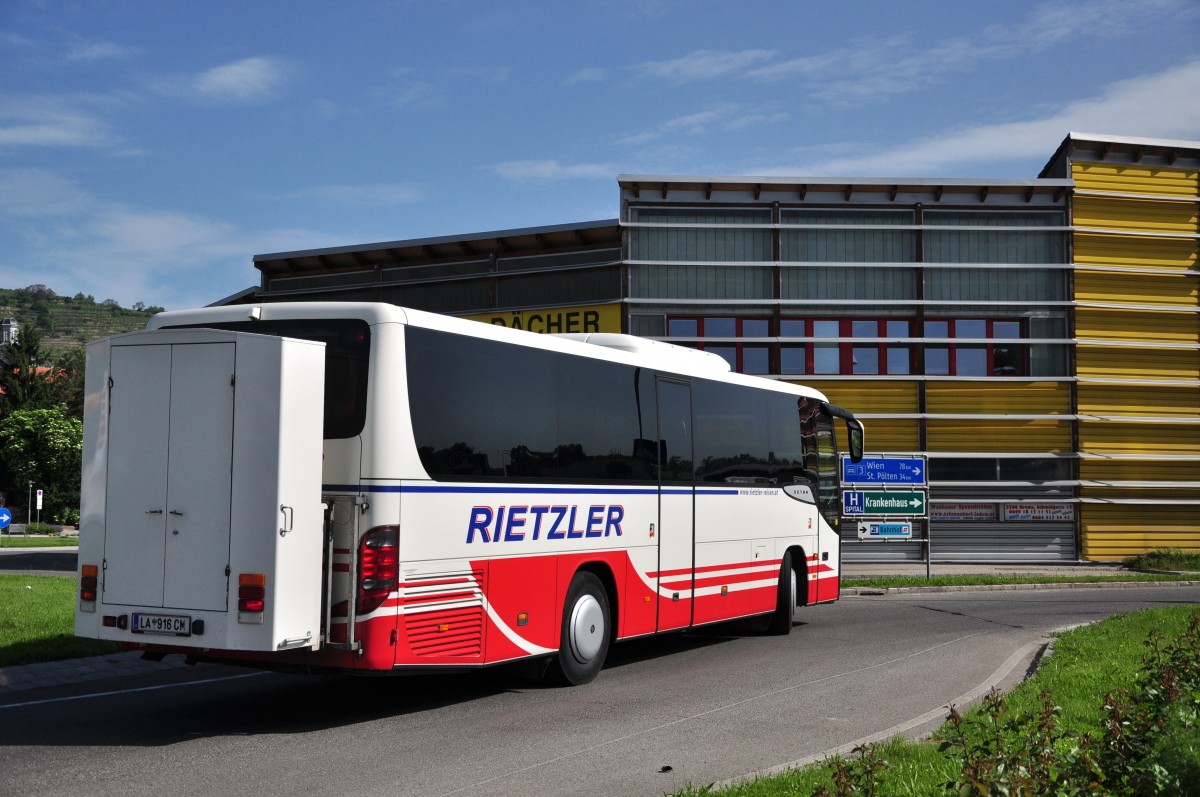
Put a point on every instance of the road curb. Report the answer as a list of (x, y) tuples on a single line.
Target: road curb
[(876, 591), (918, 727)]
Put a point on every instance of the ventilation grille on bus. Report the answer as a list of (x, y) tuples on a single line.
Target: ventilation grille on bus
[(444, 615)]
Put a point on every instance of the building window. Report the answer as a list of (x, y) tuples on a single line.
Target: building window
[(700, 234), (875, 346), (732, 338), (969, 350), (884, 346)]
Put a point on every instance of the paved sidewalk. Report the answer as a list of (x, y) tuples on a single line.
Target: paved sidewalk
[(74, 671), (917, 569)]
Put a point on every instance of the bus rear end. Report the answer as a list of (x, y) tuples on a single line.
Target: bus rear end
[(202, 522)]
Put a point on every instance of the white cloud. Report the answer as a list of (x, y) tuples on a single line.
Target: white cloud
[(38, 193), (723, 117), (247, 80), (702, 65), (871, 68), (99, 51), (589, 75), (415, 93), (50, 122), (1153, 106), (58, 234), (551, 171)]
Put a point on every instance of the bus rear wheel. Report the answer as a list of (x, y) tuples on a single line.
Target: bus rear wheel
[(584, 639), (785, 600)]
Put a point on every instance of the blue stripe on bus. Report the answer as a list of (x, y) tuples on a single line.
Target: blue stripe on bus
[(483, 490)]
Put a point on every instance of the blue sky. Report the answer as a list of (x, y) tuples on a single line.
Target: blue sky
[(148, 150)]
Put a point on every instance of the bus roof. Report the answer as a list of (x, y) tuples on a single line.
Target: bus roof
[(604, 346)]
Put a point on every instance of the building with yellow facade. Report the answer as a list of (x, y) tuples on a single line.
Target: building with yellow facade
[(1037, 339)]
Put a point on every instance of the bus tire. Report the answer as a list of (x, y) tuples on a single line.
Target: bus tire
[(585, 635), (785, 600)]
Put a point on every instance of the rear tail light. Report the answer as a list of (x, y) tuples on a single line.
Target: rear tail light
[(378, 567), (89, 582), (252, 592)]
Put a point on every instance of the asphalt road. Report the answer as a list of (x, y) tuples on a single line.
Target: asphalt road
[(56, 562), (692, 708)]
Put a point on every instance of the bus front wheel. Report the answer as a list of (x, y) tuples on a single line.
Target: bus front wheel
[(785, 600), (583, 643)]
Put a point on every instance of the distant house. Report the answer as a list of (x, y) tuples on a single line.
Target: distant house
[(9, 329)]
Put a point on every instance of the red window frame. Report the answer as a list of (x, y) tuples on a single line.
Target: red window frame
[(991, 367), (915, 361), (739, 348), (846, 349)]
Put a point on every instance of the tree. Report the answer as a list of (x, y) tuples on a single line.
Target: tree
[(66, 388), (45, 446), (24, 379)]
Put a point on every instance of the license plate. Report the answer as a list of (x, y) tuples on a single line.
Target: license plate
[(169, 624)]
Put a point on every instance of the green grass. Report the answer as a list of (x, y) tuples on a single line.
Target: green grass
[(37, 616), (1166, 559), (1086, 664), (25, 541), (986, 580), (911, 768)]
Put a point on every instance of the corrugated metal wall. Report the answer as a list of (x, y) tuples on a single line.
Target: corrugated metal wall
[(985, 436), (1137, 327), (880, 397)]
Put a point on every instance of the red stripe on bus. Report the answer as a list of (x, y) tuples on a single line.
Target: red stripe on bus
[(684, 571)]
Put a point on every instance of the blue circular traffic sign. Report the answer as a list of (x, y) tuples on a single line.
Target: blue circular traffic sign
[(5, 518)]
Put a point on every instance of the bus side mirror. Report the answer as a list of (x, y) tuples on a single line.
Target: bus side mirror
[(857, 439)]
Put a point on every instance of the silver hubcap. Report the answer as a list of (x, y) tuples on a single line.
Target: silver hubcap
[(587, 628), (793, 606)]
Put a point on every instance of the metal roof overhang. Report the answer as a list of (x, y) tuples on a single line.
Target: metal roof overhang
[(420, 251), (1123, 150), (661, 187)]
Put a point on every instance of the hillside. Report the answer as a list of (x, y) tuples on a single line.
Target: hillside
[(68, 322)]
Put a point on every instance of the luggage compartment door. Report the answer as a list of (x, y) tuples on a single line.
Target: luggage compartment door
[(199, 470), (169, 468)]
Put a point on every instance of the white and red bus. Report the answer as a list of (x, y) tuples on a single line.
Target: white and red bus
[(458, 495)]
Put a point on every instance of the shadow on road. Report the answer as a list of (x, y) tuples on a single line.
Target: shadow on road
[(183, 705)]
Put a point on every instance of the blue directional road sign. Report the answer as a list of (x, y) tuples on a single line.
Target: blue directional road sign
[(882, 469), (5, 518), (901, 503)]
